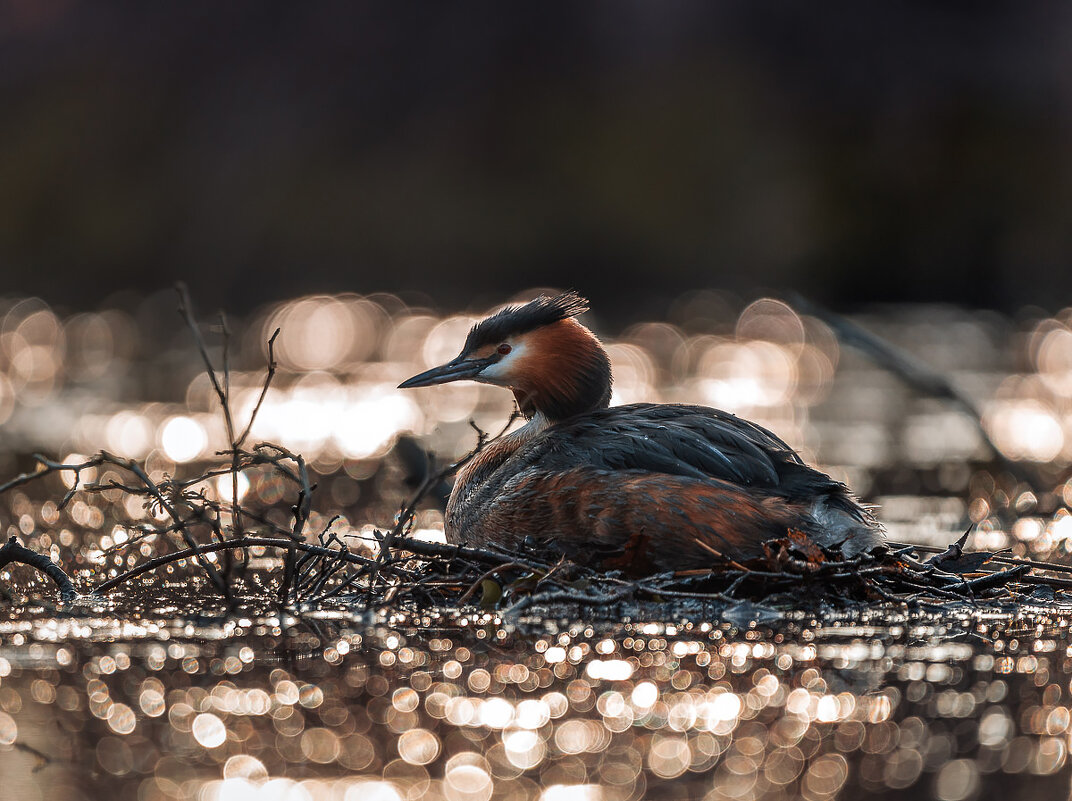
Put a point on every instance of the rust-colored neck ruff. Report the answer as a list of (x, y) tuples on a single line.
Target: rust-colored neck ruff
[(565, 372)]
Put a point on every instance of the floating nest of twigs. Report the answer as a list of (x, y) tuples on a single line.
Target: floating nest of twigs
[(413, 575), (795, 574)]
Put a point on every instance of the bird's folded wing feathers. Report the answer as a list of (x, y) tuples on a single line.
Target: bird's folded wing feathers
[(680, 440)]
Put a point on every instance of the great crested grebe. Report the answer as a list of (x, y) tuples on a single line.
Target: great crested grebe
[(644, 487)]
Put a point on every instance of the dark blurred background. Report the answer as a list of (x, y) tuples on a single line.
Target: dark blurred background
[(855, 152)]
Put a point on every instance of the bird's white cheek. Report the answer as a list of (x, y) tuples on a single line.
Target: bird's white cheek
[(504, 370)]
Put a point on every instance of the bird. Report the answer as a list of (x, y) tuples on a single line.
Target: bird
[(643, 488)]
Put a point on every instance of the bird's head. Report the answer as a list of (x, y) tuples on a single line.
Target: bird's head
[(554, 365)]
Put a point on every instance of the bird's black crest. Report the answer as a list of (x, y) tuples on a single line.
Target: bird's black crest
[(514, 320)]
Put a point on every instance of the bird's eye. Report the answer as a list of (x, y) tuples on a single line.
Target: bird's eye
[(503, 349)]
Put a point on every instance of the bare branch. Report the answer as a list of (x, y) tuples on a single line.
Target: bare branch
[(231, 544), (14, 552), (272, 364)]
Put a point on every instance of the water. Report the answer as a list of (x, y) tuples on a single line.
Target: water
[(445, 706), (161, 691)]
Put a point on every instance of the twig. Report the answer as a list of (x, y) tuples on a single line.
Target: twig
[(185, 309), (999, 558), (272, 364), (14, 552), (288, 574), (223, 393), (439, 550), (239, 542)]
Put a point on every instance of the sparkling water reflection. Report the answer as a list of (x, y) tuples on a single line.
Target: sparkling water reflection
[(421, 709), (162, 692)]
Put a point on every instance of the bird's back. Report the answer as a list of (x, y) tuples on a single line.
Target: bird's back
[(643, 486)]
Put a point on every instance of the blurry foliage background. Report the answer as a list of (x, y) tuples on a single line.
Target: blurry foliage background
[(857, 152)]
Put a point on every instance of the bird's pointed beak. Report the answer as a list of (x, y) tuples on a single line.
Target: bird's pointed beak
[(456, 370)]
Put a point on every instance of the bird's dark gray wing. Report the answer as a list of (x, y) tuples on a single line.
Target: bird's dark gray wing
[(681, 440)]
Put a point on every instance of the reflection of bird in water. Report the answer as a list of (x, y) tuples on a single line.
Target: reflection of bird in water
[(643, 487)]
